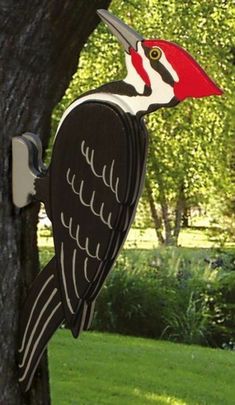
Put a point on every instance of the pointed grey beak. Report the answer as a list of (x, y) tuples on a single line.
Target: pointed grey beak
[(126, 35)]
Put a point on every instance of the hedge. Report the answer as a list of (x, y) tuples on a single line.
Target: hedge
[(161, 294)]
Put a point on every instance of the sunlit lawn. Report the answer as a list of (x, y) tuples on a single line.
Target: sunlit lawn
[(193, 244), (146, 239), (104, 369)]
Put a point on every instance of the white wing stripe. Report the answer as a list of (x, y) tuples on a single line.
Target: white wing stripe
[(36, 325), (91, 203), (77, 239), (74, 276), (116, 185), (111, 178), (97, 249), (85, 270), (32, 311), (64, 279), (71, 182), (80, 195), (103, 176), (38, 340), (86, 247), (90, 162)]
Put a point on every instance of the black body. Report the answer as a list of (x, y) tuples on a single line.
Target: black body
[(94, 182), (93, 135), (116, 138)]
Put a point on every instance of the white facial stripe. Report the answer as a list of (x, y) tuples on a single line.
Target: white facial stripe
[(154, 76), (163, 60), (133, 77), (169, 67), (162, 92)]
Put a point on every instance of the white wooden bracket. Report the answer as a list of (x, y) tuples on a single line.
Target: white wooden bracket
[(27, 165)]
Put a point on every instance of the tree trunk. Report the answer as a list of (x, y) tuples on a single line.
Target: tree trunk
[(166, 220), (185, 217), (40, 42), (156, 219), (179, 212), (168, 240)]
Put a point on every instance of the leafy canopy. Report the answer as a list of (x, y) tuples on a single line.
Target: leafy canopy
[(191, 145)]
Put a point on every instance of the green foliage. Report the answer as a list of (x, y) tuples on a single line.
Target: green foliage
[(45, 256), (102, 369), (180, 294), (191, 145), (189, 324), (222, 213), (223, 307), (170, 296)]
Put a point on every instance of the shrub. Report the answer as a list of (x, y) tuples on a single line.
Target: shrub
[(223, 304), (188, 324), (161, 294), (131, 301)]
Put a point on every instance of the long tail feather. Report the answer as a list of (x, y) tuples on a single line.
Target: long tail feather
[(77, 328), (84, 318), (89, 315), (41, 316)]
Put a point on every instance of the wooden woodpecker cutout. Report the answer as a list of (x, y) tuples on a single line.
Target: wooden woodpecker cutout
[(94, 181)]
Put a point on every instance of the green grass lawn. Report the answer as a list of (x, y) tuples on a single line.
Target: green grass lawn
[(191, 240), (192, 243), (104, 369), (146, 239)]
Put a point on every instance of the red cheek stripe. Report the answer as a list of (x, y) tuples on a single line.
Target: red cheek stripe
[(138, 65)]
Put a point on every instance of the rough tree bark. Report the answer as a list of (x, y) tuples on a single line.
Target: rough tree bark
[(40, 42)]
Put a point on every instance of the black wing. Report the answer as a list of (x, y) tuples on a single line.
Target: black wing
[(96, 171)]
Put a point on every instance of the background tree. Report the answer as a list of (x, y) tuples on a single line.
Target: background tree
[(191, 146), (40, 42)]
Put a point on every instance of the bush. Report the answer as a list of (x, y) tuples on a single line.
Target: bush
[(164, 295), (223, 304)]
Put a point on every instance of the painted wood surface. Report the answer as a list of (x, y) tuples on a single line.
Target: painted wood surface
[(94, 181)]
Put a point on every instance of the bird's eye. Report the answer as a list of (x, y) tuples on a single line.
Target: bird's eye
[(155, 53)]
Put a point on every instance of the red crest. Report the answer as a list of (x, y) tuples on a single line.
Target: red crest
[(193, 80)]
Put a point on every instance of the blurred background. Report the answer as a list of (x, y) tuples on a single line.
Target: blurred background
[(175, 278)]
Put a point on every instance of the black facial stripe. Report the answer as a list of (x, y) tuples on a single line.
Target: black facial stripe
[(117, 87), (160, 68), (122, 88), (153, 107)]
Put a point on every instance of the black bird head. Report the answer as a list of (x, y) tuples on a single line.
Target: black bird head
[(166, 69)]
